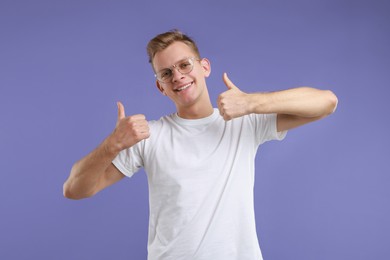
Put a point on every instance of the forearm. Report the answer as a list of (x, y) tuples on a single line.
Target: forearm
[(303, 102), (95, 172), (87, 172)]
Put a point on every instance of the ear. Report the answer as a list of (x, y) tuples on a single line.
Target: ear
[(160, 88), (205, 63)]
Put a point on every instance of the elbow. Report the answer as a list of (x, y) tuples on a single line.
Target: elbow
[(324, 102), (332, 102), (327, 103), (67, 189), (70, 194), (74, 189)]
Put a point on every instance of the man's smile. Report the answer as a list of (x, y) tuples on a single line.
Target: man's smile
[(184, 87)]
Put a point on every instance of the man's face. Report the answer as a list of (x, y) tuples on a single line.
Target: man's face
[(185, 90)]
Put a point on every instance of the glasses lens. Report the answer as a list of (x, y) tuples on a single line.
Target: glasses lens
[(184, 67), (164, 75)]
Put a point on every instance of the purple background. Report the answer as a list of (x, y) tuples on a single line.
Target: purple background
[(322, 193)]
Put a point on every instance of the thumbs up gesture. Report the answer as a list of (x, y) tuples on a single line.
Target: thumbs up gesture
[(129, 130), (233, 102)]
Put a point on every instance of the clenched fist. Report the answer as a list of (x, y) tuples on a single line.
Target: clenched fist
[(129, 130), (233, 102)]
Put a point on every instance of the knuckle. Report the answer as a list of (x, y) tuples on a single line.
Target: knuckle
[(139, 117), (138, 136)]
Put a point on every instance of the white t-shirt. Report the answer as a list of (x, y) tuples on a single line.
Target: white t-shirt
[(201, 177)]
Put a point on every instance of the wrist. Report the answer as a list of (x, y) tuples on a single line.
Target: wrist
[(110, 146), (255, 101)]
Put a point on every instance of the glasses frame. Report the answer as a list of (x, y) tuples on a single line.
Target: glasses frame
[(176, 66)]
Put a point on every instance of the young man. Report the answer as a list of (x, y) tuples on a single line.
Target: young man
[(199, 161)]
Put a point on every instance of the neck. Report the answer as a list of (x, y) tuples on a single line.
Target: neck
[(195, 112)]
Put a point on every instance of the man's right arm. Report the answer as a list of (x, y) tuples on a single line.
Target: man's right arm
[(95, 171)]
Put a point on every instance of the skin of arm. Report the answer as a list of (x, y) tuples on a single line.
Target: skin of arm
[(95, 171), (294, 107)]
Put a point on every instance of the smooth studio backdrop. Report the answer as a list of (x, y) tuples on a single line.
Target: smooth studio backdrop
[(322, 193)]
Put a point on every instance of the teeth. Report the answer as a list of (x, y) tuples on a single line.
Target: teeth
[(184, 87)]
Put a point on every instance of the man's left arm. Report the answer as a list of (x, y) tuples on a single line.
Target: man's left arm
[(294, 107)]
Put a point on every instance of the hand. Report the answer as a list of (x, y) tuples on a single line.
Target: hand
[(129, 130), (233, 102)]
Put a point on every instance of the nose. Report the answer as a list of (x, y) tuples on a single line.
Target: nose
[(176, 74)]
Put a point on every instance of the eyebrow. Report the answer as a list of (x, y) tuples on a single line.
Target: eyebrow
[(169, 68)]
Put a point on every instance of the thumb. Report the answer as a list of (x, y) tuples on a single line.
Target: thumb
[(121, 110), (229, 84)]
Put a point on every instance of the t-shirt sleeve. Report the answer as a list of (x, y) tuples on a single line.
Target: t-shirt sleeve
[(129, 161), (266, 129)]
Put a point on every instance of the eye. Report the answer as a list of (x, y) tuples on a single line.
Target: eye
[(165, 74), (185, 65)]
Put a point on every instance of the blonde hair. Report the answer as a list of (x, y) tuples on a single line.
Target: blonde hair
[(162, 41)]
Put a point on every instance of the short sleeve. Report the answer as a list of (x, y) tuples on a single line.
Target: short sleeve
[(129, 161), (266, 128)]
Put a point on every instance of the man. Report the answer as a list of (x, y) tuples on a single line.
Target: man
[(199, 161)]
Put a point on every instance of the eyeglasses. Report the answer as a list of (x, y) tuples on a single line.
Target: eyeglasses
[(184, 67)]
